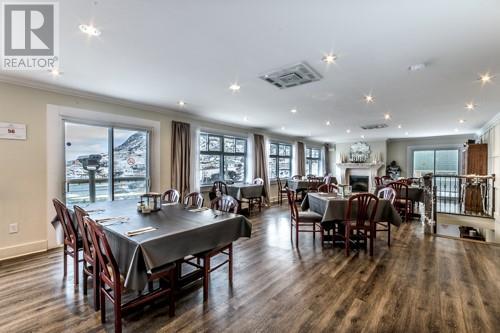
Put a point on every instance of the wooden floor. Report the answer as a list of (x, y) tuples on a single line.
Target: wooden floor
[(422, 284)]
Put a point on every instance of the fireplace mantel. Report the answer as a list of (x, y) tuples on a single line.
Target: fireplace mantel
[(359, 169)]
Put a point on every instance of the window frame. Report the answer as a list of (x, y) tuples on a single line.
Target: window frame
[(412, 151), (278, 156), (310, 159), (222, 153)]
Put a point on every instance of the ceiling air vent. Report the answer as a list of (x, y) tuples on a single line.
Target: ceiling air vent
[(374, 126), (292, 76)]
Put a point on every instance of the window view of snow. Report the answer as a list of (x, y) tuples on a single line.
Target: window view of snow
[(280, 160), (222, 158), (313, 158), (129, 162)]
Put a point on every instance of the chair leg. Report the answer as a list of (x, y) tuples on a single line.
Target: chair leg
[(171, 305), (84, 277), (97, 286), (297, 233), (118, 314), (230, 263), (314, 230), (371, 242), (65, 260), (75, 264), (102, 303), (206, 277), (346, 239)]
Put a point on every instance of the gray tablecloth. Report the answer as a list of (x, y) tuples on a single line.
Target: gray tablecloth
[(297, 185), (414, 193), (334, 208), (179, 233), (245, 191)]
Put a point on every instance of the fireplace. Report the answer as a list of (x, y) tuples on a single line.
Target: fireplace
[(359, 183)]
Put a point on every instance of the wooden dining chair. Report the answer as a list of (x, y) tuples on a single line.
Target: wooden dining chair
[(281, 191), (226, 204), (310, 220), (328, 188), (217, 187), (255, 201), (402, 203), (363, 222), (170, 196), (112, 281), (72, 243), (194, 199), (386, 179), (389, 194), (378, 181), (90, 263)]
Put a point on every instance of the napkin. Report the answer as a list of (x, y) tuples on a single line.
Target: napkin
[(112, 220), (139, 231)]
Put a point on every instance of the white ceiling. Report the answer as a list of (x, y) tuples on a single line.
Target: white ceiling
[(158, 52)]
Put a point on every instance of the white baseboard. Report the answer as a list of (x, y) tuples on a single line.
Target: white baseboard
[(22, 249)]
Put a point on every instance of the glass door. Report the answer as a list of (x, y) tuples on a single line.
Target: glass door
[(105, 163)]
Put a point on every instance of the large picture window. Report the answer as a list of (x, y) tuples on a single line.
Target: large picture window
[(280, 160), (313, 161), (105, 163), (437, 161), (222, 158)]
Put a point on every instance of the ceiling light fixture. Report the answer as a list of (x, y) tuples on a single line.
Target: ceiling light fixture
[(485, 78), (416, 67), (89, 30), (348, 131), (362, 136), (470, 106), (456, 129), (406, 133), (55, 72), (293, 110), (245, 118), (181, 103), (461, 121), (329, 58), (234, 87), (328, 123), (387, 116), (282, 128), (369, 99), (400, 126)]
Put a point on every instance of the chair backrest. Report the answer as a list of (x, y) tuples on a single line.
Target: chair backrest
[(225, 203), (170, 196), (311, 176), (194, 199), (297, 177), (387, 193), (378, 181), (280, 184), (220, 186), (110, 273), (365, 209), (386, 178), (328, 188), (70, 233), (327, 179), (80, 214), (291, 195), (400, 188), (258, 181)]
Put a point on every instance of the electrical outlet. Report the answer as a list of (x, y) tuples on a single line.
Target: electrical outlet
[(13, 228)]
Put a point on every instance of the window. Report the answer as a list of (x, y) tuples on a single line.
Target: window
[(280, 160), (105, 163), (313, 161), (437, 161), (222, 158)]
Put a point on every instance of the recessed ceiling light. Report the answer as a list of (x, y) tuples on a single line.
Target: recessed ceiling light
[(89, 30), (181, 103), (348, 131), (406, 133), (282, 128), (293, 110), (245, 118), (55, 72), (387, 116), (485, 78), (328, 123), (362, 136), (461, 121), (456, 129), (234, 87), (400, 126), (329, 58), (416, 67), (369, 99), (470, 106)]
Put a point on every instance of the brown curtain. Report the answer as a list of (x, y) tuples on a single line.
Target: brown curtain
[(301, 159), (181, 157), (328, 168), (260, 164)]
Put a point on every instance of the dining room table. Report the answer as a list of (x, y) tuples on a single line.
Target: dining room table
[(415, 193), (173, 233), (333, 207), (241, 191)]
